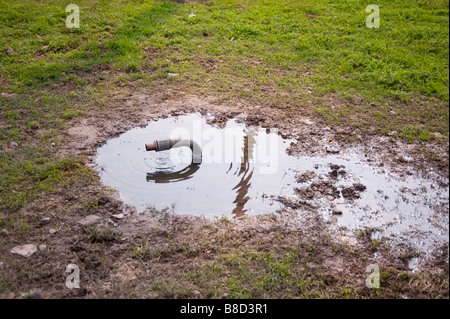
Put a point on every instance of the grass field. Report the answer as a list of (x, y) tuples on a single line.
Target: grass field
[(305, 58), (322, 47), (295, 56)]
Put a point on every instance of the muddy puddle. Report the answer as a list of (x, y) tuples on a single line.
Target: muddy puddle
[(247, 171)]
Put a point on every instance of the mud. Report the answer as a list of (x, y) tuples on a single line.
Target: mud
[(144, 255), (362, 188), (235, 175)]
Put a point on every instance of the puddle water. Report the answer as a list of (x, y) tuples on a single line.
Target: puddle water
[(225, 182), (244, 171)]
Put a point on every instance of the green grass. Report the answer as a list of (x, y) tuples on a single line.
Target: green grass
[(329, 38), (286, 273), (25, 176), (280, 54)]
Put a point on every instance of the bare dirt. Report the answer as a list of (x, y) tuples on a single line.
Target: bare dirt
[(155, 255)]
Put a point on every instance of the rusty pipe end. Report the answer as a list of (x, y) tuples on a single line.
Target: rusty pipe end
[(164, 145), (151, 146)]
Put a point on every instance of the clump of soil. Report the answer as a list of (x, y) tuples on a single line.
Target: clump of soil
[(319, 189), (306, 176), (353, 192), (322, 188), (336, 171)]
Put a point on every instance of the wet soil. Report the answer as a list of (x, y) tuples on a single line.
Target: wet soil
[(143, 255), (245, 169)]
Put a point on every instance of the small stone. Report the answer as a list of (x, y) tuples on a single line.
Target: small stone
[(24, 250), (118, 216), (13, 145), (103, 200), (42, 247), (45, 220), (36, 294), (52, 231), (4, 232), (337, 211), (112, 223), (438, 135), (89, 220)]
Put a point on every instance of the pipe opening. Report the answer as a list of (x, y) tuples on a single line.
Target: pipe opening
[(165, 145)]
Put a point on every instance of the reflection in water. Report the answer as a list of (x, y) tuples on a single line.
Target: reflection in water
[(164, 177), (244, 184), (410, 209)]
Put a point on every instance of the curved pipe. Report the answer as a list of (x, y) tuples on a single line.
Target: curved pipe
[(173, 177), (164, 145)]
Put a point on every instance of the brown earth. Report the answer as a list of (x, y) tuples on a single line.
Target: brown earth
[(165, 255)]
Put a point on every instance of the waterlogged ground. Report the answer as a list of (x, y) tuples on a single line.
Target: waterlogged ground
[(226, 183), (311, 233), (247, 171), (362, 116)]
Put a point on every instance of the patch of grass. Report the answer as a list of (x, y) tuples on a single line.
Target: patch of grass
[(43, 48), (225, 219), (411, 134), (281, 54), (29, 172), (139, 250), (262, 275), (100, 234), (285, 273), (90, 205), (242, 51), (361, 233)]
